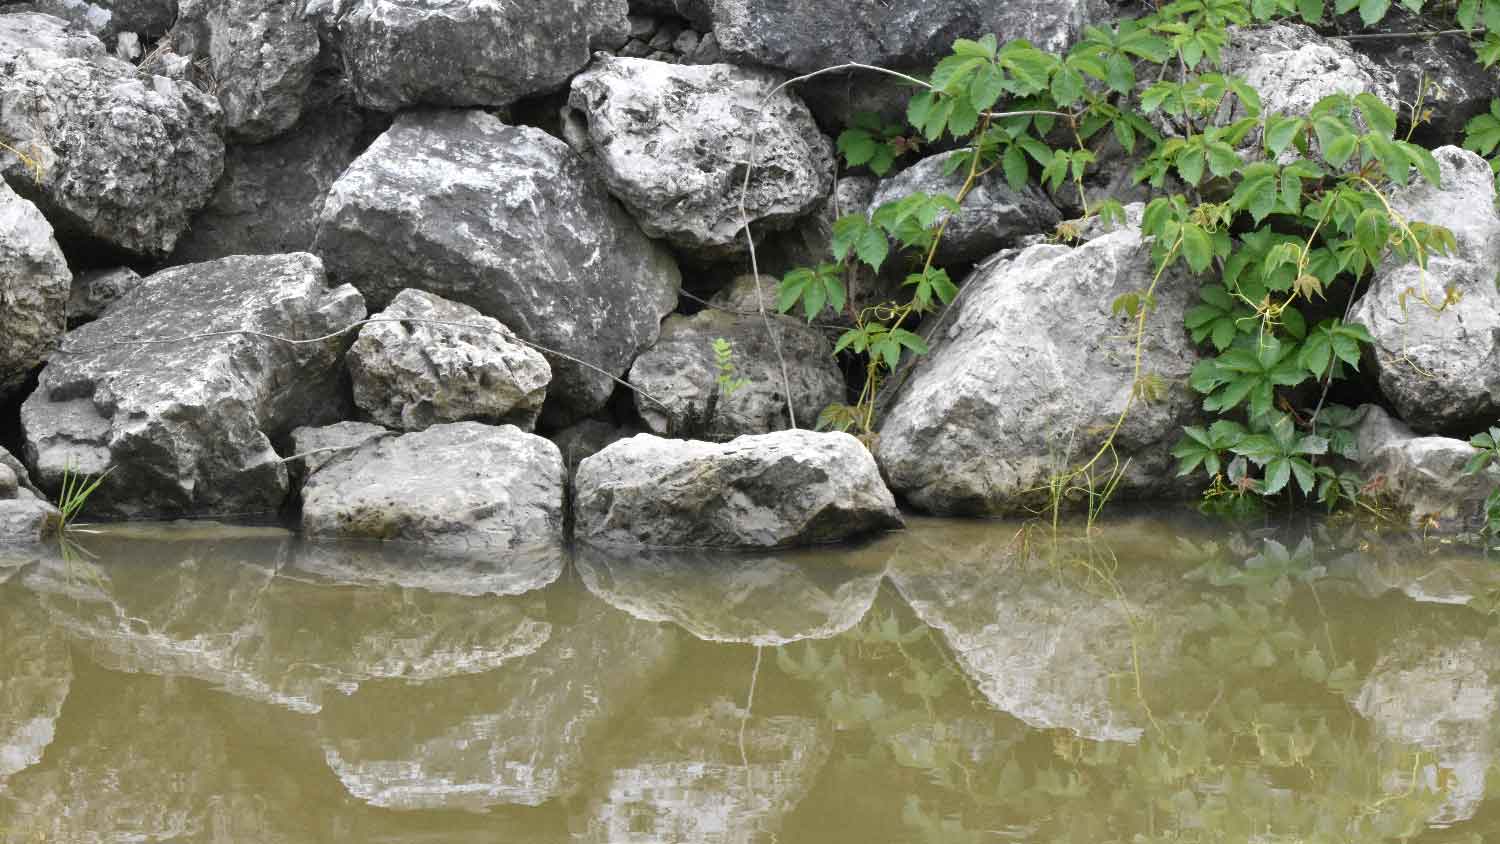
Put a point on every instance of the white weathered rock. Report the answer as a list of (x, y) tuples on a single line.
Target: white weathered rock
[(260, 54), (1424, 474), (773, 490), (34, 282), (131, 181), (681, 371), (507, 220), (401, 53), (671, 142), (412, 375), (1292, 68), (1030, 369), (462, 486), (1440, 364), (186, 426)]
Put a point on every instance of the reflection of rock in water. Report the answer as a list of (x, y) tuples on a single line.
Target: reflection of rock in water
[(682, 779), (1442, 696), (726, 597), (516, 735), (35, 675), (227, 613), (1043, 641), (512, 572)]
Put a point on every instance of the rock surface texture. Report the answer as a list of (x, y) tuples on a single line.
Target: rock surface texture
[(401, 53), (25, 514), (671, 142), (34, 285), (1438, 363), (1029, 370), (1292, 68), (464, 486), (682, 372), (507, 220), (130, 182), (1424, 475), (774, 490), (412, 375), (95, 290), (186, 426)]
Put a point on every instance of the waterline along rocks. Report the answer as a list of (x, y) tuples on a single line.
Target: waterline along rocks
[(487, 276)]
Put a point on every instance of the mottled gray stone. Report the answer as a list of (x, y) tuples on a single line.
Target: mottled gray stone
[(26, 519), (131, 181), (464, 486), (681, 372), (34, 282), (95, 290), (1424, 475), (586, 438), (507, 220), (401, 53), (1440, 364), (671, 142), (412, 375), (772, 490), (1292, 68), (107, 18), (1030, 369), (260, 54), (186, 427), (322, 443)]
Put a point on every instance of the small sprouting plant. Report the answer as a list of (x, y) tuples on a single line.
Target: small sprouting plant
[(1488, 444), (729, 382), (75, 492)]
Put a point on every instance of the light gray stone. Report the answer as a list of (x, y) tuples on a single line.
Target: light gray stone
[(412, 375), (27, 519), (323, 443), (462, 486), (671, 142), (95, 290), (509, 221), (1424, 474), (1292, 68), (773, 490), (1439, 364), (185, 427), (131, 181), (401, 53), (34, 281), (1030, 369)]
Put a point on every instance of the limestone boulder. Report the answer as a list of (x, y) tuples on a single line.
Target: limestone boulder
[(1438, 360), (312, 446), (34, 284), (1292, 67), (462, 486), (772, 490), (1030, 369), (448, 364), (1424, 475), (671, 141), (130, 182), (509, 221), (183, 423)]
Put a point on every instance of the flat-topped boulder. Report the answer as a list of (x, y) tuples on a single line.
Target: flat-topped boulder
[(463, 486), (772, 490), (184, 424)]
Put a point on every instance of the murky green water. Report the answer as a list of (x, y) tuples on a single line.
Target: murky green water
[(955, 683)]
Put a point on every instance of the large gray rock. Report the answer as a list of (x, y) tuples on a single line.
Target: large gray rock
[(130, 181), (672, 141), (773, 490), (1424, 475), (992, 217), (1437, 362), (462, 486), (185, 425), (107, 18), (271, 194), (807, 35), (261, 55), (1030, 369), (401, 53), (412, 375), (34, 284), (681, 372), (507, 220), (1292, 68)]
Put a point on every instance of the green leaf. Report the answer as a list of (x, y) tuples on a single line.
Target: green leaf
[(1372, 11), (1378, 116), (857, 146), (1197, 247)]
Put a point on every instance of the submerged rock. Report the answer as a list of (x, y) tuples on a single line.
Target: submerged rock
[(1424, 475), (1030, 369), (130, 182), (509, 221), (185, 426), (1437, 331), (462, 486), (401, 53), (773, 490), (35, 279), (671, 142), (681, 372)]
